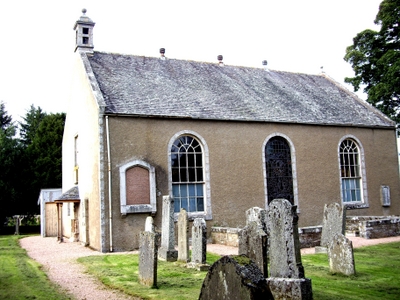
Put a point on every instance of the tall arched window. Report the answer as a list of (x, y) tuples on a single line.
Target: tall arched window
[(350, 171), (187, 169), (278, 168)]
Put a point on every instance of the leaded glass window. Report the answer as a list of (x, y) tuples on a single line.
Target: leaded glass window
[(187, 174), (279, 170), (350, 171)]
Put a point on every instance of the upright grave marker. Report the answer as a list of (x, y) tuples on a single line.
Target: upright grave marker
[(149, 225), (148, 258), (333, 223), (286, 279), (199, 245), (253, 238), (235, 278), (183, 236), (341, 257), (167, 250)]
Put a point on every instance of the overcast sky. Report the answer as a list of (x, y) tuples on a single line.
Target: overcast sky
[(37, 38)]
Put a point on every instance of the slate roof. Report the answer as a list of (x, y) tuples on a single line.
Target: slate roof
[(71, 195), (149, 86)]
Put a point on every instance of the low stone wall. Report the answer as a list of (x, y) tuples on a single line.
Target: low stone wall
[(308, 236), (225, 236), (373, 227), (368, 227)]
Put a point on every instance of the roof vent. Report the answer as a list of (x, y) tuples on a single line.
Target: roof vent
[(265, 63), (162, 53), (220, 58)]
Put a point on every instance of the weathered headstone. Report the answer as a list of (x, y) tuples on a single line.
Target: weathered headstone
[(149, 225), (253, 238), (286, 279), (183, 236), (167, 250), (334, 222), (199, 245), (235, 278), (341, 257), (148, 258), (258, 215)]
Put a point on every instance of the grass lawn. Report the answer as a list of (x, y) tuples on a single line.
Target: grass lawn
[(377, 275), (376, 266), (22, 277)]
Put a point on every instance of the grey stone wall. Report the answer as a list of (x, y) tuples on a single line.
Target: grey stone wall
[(373, 227), (309, 236)]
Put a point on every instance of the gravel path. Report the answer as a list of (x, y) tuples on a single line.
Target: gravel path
[(59, 262)]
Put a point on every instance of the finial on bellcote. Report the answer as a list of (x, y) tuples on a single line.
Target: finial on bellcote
[(84, 11)]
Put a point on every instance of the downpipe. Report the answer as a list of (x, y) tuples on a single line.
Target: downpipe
[(109, 185)]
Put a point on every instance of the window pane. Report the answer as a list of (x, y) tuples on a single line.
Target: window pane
[(183, 190), (191, 162), (177, 205), (174, 160), (192, 174), (200, 204), (175, 175), (199, 172), (184, 204), (199, 190), (192, 204), (183, 175), (175, 191), (191, 188)]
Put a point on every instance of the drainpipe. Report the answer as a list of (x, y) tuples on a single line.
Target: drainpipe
[(109, 184)]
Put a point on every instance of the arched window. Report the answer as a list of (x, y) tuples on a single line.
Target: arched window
[(278, 169), (187, 169), (350, 171)]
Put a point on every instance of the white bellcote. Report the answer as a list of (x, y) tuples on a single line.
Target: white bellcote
[(84, 33)]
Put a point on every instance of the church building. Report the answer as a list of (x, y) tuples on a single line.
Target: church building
[(216, 138)]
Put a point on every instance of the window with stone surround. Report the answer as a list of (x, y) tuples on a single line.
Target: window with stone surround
[(280, 171), (187, 174), (352, 173), (137, 188), (188, 159)]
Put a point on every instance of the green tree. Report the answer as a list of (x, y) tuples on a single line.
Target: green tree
[(375, 59), (30, 124), (5, 119), (10, 154), (46, 152)]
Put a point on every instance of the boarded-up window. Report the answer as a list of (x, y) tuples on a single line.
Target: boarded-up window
[(137, 186)]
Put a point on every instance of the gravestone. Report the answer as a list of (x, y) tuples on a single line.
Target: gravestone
[(253, 238), (167, 250), (199, 245), (341, 257), (258, 215), (334, 222), (235, 278), (183, 236), (149, 225), (287, 280), (148, 258)]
